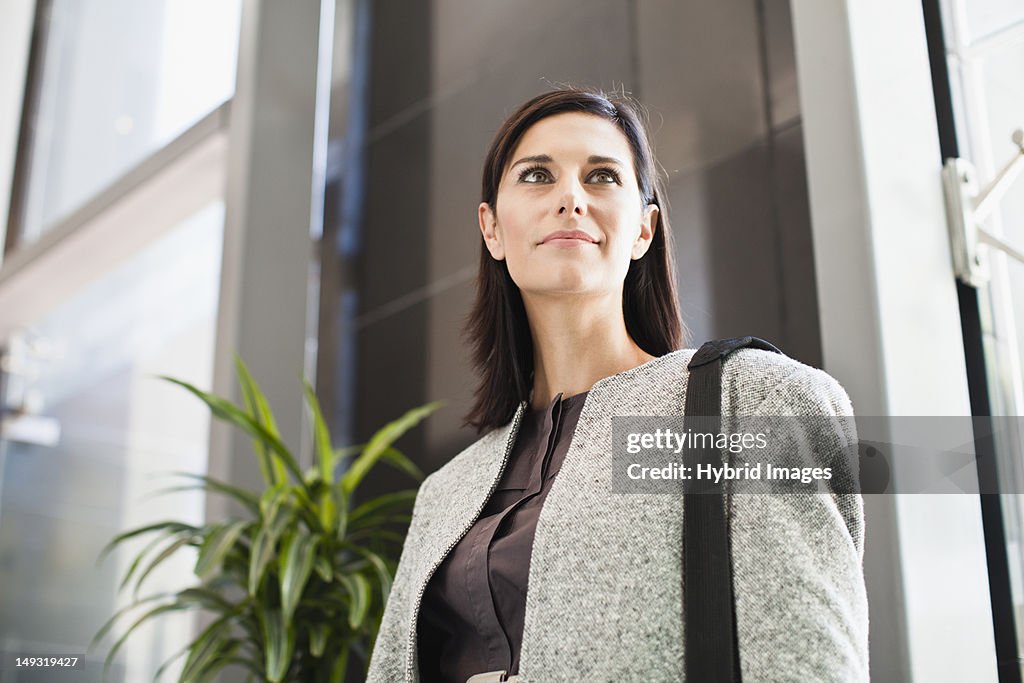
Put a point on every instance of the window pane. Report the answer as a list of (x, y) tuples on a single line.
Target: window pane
[(1000, 72), (118, 79), (986, 17), (93, 371)]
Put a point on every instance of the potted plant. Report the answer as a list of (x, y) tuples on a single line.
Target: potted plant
[(300, 582)]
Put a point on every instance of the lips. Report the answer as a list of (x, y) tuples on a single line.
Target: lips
[(569, 235)]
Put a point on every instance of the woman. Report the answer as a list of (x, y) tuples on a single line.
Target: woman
[(521, 563)]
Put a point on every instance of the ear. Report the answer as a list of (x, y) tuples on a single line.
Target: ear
[(647, 227), (489, 229)]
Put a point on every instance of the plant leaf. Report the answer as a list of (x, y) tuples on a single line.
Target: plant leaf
[(259, 409), (351, 567), (359, 589), (341, 503), (164, 554), (120, 538), (388, 503), (224, 659), (373, 521), (312, 475), (377, 534), (215, 598), (263, 546), (323, 567), (169, 607), (223, 656), (249, 499), (381, 441), (262, 551), (279, 641), (207, 598), (283, 519), (325, 456), (318, 633), (271, 501), (296, 563), (206, 646), (342, 454), (307, 508), (163, 667), (380, 567), (229, 412), (110, 622), (138, 559), (328, 603), (321, 436), (340, 664), (392, 456), (216, 546), (212, 651)]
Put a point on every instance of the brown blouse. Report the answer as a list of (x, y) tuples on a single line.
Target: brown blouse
[(471, 618)]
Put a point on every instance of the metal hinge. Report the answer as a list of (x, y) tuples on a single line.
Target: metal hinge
[(967, 208)]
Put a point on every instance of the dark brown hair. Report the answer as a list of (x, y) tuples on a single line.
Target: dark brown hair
[(497, 329)]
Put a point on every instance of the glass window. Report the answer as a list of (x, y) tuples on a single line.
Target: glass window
[(990, 95), (985, 54), (90, 370), (116, 80), (987, 17), (999, 70)]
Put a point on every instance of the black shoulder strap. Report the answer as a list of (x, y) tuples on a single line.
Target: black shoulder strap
[(712, 652)]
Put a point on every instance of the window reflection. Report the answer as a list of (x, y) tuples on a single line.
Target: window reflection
[(120, 428), (117, 80)]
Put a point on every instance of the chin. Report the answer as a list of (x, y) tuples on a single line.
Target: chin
[(567, 285), (564, 277)]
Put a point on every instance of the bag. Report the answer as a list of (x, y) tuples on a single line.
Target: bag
[(709, 610)]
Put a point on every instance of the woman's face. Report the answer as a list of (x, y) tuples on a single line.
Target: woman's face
[(569, 215)]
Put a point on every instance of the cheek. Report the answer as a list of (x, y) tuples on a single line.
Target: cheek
[(515, 229), (622, 226)]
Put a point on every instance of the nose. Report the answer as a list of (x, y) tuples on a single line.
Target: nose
[(573, 200)]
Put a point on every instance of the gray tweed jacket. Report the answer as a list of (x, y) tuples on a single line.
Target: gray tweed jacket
[(604, 594)]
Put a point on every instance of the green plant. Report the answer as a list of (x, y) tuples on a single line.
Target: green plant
[(301, 582)]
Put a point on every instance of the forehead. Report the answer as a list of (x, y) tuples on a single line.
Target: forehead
[(573, 135)]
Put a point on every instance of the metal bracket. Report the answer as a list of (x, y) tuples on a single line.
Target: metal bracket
[(967, 208)]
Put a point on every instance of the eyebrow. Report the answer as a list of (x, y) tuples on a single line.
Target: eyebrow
[(545, 158)]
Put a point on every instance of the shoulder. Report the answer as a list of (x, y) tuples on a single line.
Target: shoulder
[(764, 382)]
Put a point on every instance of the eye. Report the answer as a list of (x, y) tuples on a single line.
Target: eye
[(526, 174), (539, 174), (609, 174)]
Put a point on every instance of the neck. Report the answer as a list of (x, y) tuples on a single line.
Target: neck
[(576, 342)]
